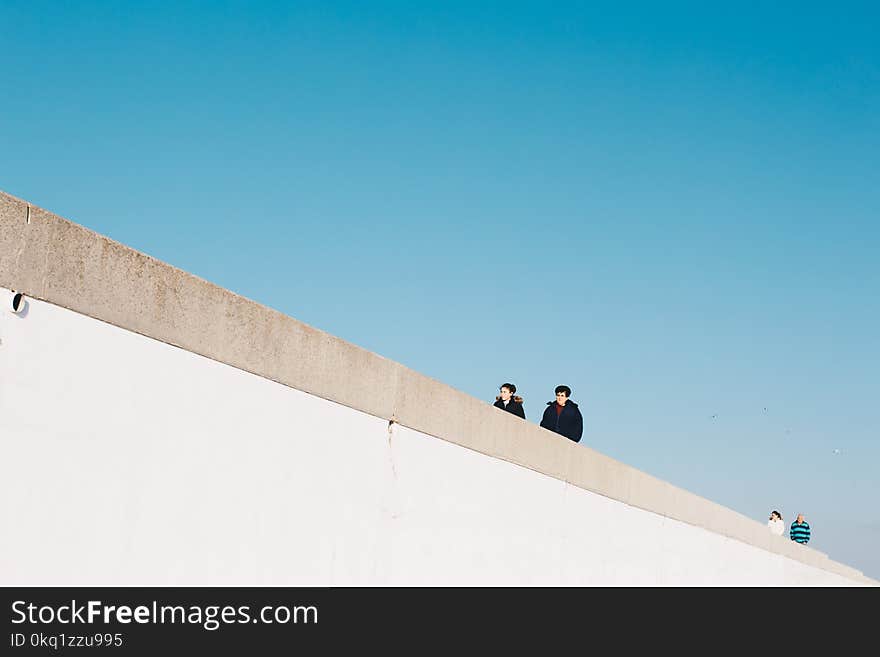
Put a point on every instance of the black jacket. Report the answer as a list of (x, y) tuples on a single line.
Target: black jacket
[(570, 423), (513, 406)]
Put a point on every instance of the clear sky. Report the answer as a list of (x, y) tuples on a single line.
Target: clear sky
[(673, 208)]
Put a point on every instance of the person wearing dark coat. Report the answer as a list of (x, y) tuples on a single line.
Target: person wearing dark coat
[(563, 415), (506, 401)]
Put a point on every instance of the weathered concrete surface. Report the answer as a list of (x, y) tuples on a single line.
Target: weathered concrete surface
[(50, 258)]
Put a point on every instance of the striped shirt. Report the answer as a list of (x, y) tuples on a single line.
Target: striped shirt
[(800, 531)]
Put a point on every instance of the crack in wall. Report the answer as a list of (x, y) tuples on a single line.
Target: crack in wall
[(391, 424)]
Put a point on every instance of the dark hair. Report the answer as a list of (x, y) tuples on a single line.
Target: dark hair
[(775, 513), (564, 389), (509, 386)]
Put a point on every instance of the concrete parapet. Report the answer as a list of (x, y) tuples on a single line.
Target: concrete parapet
[(542, 451), (590, 470), (53, 259)]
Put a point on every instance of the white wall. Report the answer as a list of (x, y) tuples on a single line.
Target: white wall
[(129, 461)]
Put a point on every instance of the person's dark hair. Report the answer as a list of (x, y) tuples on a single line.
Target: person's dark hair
[(509, 386), (564, 389), (776, 513)]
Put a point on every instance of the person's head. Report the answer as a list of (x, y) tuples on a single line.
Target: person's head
[(507, 389), (562, 394), (800, 517), (775, 514)]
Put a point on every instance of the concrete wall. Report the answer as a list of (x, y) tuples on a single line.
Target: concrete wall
[(259, 452)]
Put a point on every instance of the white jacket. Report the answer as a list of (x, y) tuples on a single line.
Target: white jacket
[(776, 526)]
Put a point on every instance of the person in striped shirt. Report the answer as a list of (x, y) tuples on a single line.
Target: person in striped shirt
[(800, 530)]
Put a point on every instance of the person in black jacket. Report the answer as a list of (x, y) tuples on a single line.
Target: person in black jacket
[(563, 415), (507, 402)]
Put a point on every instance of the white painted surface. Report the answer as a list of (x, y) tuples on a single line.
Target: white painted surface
[(129, 461)]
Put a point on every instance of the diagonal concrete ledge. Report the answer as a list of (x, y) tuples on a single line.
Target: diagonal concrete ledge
[(55, 260)]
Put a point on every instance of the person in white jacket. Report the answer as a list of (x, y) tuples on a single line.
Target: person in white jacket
[(775, 524)]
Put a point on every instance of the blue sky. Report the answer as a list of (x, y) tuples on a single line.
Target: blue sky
[(670, 207)]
